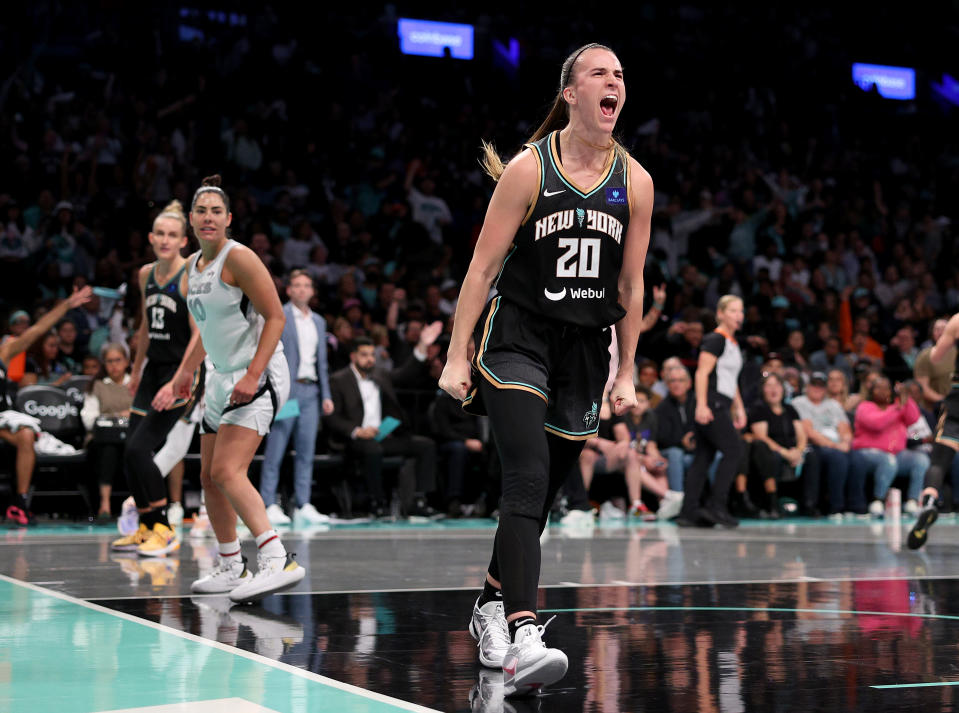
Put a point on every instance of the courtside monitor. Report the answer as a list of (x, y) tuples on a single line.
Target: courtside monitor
[(890, 82), (431, 39)]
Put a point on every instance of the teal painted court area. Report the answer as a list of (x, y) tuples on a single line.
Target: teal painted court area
[(61, 655)]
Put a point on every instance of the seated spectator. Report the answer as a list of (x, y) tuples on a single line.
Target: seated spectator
[(647, 376), (901, 354), (831, 357), (660, 388), (778, 445), (610, 451), (879, 444), (19, 322), (458, 438), (90, 366), (18, 435), (867, 377), (794, 353), (69, 356), (109, 397), (643, 433), (363, 397), (830, 440), (684, 340), (42, 365), (675, 418)]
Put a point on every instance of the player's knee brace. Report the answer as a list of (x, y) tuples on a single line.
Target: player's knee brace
[(524, 493)]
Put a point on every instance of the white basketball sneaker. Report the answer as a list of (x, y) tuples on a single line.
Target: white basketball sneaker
[(273, 574), (226, 576), (529, 665), (488, 626), (276, 516)]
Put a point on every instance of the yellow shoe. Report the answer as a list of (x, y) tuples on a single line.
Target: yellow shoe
[(161, 540), (130, 543), (162, 571)]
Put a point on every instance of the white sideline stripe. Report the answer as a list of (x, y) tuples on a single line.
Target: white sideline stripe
[(301, 673), (561, 585), (217, 705)]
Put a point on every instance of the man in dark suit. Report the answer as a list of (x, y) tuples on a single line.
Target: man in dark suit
[(363, 398)]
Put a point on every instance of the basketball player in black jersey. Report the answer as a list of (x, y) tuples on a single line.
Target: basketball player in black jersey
[(23, 439), (946, 442), (564, 241), (166, 335)]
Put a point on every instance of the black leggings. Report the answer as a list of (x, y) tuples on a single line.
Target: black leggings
[(717, 435), (535, 464), (146, 435)]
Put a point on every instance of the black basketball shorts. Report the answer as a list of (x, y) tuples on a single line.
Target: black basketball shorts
[(947, 430), (565, 365)]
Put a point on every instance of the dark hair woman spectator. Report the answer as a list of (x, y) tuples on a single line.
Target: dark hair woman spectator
[(879, 444), (779, 442), (42, 364)]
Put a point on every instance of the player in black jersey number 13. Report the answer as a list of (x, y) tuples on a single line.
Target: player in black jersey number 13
[(565, 240)]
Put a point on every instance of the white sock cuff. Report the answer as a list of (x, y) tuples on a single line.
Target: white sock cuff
[(229, 549)]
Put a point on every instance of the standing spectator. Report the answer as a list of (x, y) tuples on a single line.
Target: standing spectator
[(879, 444), (109, 397), (830, 441), (304, 346)]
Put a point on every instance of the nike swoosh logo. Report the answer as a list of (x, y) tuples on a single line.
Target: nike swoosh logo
[(554, 296), (547, 194)]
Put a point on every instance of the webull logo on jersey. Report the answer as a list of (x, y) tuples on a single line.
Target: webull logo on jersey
[(563, 220), (577, 294), (59, 411)]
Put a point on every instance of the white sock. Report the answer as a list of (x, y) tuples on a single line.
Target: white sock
[(230, 551), (269, 545)]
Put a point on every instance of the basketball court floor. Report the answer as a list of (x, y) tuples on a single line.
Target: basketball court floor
[(796, 616)]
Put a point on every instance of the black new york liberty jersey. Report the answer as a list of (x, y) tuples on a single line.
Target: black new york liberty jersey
[(168, 319), (568, 252)]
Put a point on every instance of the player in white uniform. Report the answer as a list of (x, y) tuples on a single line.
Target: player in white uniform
[(237, 309)]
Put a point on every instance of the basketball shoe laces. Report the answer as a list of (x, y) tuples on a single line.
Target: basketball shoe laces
[(495, 627)]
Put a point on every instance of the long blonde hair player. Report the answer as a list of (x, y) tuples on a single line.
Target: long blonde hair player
[(564, 240), (166, 335), (237, 308)]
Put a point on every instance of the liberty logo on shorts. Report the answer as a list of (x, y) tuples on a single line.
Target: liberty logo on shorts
[(580, 216), (616, 196), (590, 418)]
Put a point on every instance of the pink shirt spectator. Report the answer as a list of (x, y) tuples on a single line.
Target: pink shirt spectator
[(883, 428)]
